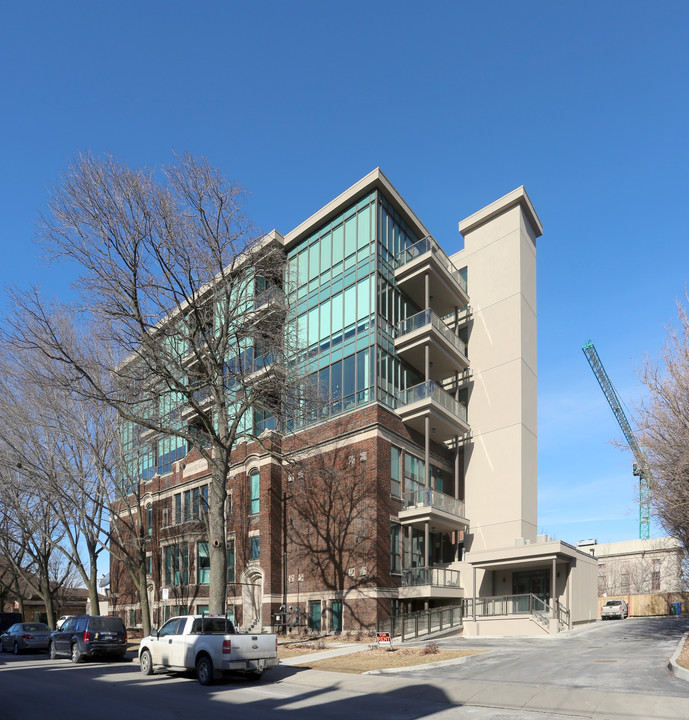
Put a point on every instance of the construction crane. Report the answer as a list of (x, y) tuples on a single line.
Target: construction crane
[(640, 468)]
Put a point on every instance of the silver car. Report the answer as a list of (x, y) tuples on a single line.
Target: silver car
[(614, 609), (25, 636)]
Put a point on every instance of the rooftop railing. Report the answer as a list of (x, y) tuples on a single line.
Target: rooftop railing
[(428, 317), (426, 390), (428, 244)]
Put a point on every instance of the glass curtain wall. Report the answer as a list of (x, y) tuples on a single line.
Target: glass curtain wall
[(331, 295)]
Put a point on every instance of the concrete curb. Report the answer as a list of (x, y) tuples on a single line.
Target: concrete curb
[(425, 666), (677, 670)]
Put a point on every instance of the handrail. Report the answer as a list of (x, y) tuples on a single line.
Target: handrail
[(429, 244), (519, 604), (422, 622), (428, 317)]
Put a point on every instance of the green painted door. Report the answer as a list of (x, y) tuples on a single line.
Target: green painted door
[(315, 615)]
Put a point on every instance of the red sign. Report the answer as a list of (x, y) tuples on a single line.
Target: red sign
[(383, 638)]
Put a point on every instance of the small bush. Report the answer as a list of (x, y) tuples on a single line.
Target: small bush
[(432, 648)]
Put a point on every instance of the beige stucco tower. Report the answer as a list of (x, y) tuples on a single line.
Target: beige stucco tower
[(501, 455)]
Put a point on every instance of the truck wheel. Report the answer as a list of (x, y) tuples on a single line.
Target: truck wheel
[(146, 663), (204, 670)]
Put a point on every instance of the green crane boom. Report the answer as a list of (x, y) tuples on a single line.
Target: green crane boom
[(641, 464)]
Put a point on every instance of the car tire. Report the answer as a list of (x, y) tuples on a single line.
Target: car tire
[(77, 657), (204, 670), (146, 663), (15, 648), (52, 653)]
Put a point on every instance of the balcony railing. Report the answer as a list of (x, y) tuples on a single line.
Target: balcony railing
[(427, 497), (269, 294), (428, 317), (437, 576), (261, 363), (425, 245), (426, 390)]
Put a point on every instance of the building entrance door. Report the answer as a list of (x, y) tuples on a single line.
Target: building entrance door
[(315, 615), (530, 582)]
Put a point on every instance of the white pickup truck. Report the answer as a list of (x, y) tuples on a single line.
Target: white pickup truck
[(208, 644)]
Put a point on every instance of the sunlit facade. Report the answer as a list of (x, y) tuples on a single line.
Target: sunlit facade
[(419, 386)]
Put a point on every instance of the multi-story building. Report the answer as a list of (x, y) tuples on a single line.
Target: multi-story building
[(412, 482), (647, 574)]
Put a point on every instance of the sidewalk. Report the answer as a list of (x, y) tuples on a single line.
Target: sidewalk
[(334, 651)]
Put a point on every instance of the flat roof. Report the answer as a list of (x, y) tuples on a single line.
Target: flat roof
[(518, 196)]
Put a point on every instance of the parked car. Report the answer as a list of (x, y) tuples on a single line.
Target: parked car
[(86, 636), (25, 636), (210, 645), (7, 619), (614, 609), (62, 621)]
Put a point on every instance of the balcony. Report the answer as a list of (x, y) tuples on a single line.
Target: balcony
[(268, 305), (447, 417), (265, 369), (448, 287), (444, 512), (435, 576), (448, 352), (437, 581)]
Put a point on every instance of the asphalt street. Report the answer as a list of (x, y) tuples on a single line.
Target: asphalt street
[(609, 671)]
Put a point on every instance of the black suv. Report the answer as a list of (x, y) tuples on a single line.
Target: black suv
[(85, 636)]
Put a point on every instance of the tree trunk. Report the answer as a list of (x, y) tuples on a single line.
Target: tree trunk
[(143, 600), (217, 541)]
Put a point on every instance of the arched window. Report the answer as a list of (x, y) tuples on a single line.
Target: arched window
[(255, 491)]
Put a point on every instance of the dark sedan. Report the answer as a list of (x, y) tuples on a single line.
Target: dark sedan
[(25, 636)]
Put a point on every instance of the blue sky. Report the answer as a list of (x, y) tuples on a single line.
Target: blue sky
[(458, 102)]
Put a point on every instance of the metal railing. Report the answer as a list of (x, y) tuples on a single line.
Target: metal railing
[(524, 604), (562, 614), (270, 294), (428, 244), (427, 497), (428, 317), (423, 622), (262, 362), (429, 389), (435, 576)]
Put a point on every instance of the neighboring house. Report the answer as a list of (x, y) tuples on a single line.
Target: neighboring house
[(426, 362), (647, 573)]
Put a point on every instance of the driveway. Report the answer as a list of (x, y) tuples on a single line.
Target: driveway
[(594, 671)]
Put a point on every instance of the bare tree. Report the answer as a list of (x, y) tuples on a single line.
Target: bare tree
[(31, 531), (332, 527), (663, 429), (63, 441), (171, 282)]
